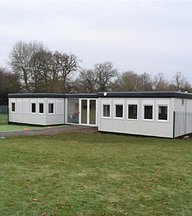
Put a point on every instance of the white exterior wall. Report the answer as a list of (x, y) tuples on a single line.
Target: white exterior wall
[(23, 113), (58, 116), (154, 127), (183, 117), (183, 105)]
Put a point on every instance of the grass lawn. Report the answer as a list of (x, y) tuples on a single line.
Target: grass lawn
[(3, 118), (95, 174), (15, 127), (12, 128), (5, 127)]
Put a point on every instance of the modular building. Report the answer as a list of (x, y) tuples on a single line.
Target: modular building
[(161, 114), (37, 109), (53, 109)]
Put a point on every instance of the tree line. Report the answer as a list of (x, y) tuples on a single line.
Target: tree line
[(34, 69)]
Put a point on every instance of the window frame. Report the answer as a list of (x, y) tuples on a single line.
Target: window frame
[(41, 113), (53, 107), (163, 105), (132, 104), (109, 110), (73, 117), (115, 111), (32, 108), (13, 110), (149, 105)]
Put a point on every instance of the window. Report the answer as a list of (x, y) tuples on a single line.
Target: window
[(92, 112), (13, 107), (148, 112), (41, 108), (33, 108), (50, 108), (84, 104), (162, 113), (106, 110), (73, 110), (119, 111), (132, 111)]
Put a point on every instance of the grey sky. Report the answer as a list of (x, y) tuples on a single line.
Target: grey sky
[(143, 36)]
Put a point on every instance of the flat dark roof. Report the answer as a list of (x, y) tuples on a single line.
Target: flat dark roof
[(81, 95), (146, 94), (36, 95), (52, 95)]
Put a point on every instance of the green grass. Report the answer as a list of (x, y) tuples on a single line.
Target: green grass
[(15, 127), (95, 174), (3, 118), (5, 127)]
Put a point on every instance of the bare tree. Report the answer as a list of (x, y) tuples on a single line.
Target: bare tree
[(105, 75), (102, 78), (160, 83), (41, 71), (180, 83), (86, 82), (9, 83), (129, 81), (66, 64), (20, 57), (145, 82)]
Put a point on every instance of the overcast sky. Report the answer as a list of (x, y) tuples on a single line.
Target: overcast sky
[(143, 36)]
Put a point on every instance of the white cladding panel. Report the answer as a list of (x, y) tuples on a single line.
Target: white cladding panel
[(26, 106), (183, 117), (57, 117), (23, 111), (18, 105), (183, 105), (60, 106), (139, 125)]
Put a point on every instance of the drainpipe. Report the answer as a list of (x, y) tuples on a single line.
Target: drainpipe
[(173, 124)]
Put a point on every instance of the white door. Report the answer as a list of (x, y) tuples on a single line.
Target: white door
[(88, 111)]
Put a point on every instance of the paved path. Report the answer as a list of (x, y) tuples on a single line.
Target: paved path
[(49, 131)]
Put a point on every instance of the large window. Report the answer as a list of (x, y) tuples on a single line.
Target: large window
[(84, 111), (33, 107), (148, 112), (41, 108), (162, 112), (106, 110), (51, 108), (13, 107), (92, 112), (73, 110), (132, 111), (119, 111)]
